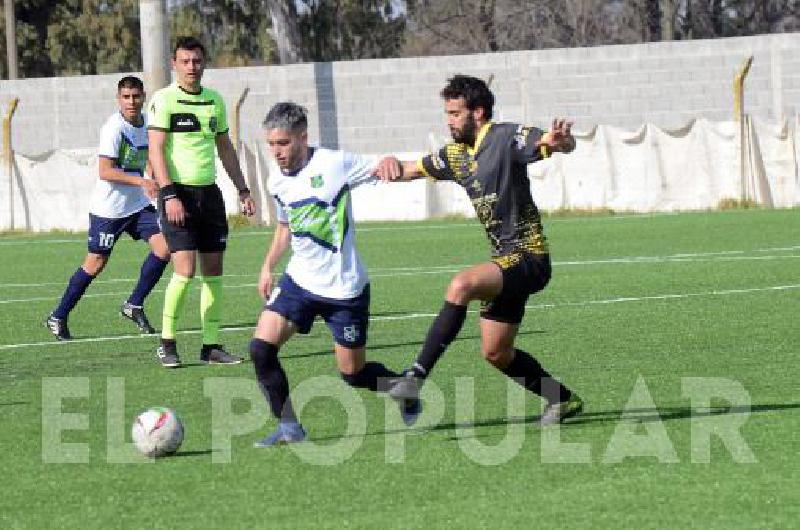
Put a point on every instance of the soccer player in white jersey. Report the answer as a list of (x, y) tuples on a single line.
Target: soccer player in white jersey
[(324, 277), (121, 203)]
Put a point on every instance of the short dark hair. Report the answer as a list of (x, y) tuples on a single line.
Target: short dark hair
[(188, 43), (287, 116), (130, 81), (474, 91)]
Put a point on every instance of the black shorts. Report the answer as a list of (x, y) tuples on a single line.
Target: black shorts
[(523, 274), (206, 226)]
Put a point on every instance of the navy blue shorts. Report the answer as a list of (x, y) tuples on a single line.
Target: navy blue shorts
[(348, 320), (104, 232)]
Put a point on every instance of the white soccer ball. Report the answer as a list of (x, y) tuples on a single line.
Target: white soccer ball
[(157, 432)]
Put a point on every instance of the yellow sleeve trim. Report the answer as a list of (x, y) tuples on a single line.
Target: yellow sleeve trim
[(544, 149), (421, 168)]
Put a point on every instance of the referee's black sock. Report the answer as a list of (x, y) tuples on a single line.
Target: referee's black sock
[(272, 379), (442, 332), (527, 371)]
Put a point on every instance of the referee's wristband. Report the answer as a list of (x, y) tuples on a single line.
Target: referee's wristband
[(168, 192), (244, 190)]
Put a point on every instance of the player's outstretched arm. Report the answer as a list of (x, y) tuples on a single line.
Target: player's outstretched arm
[(110, 173), (280, 243), (390, 169), (230, 162)]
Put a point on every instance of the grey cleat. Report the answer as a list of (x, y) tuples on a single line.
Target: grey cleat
[(405, 391), (57, 327), (214, 354), (167, 355), (135, 314), (558, 412)]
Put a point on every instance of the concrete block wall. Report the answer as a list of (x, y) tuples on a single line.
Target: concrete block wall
[(388, 105)]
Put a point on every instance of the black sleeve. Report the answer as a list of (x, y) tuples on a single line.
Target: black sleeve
[(436, 165), (524, 145)]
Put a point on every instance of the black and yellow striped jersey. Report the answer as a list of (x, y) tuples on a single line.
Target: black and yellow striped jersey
[(495, 176)]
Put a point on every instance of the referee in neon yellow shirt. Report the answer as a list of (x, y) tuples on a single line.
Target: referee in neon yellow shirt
[(187, 125)]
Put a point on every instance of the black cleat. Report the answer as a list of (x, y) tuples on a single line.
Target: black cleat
[(58, 327), (405, 391), (558, 412), (214, 354), (167, 355), (135, 314)]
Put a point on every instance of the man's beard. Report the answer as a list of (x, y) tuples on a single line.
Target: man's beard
[(467, 134)]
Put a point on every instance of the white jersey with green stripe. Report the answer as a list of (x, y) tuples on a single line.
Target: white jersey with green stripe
[(126, 146), (192, 123), (315, 203)]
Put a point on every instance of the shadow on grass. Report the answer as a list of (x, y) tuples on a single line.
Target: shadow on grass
[(637, 415), (13, 403), (211, 366), (377, 347), (676, 413), (631, 415), (202, 452)]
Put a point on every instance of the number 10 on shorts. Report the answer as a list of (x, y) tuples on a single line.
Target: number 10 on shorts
[(106, 240)]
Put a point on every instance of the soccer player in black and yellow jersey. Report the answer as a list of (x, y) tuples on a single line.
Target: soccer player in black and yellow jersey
[(489, 161)]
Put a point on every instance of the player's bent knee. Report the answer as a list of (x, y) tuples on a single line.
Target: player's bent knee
[(94, 264), (459, 289), (498, 358)]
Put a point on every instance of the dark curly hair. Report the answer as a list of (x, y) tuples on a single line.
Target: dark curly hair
[(474, 91)]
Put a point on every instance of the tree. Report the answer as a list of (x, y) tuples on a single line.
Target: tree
[(336, 30), (94, 37), (233, 31), (285, 31), (469, 26), (32, 16), (730, 18)]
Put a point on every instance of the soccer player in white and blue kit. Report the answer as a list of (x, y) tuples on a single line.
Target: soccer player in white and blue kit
[(121, 203), (325, 275)]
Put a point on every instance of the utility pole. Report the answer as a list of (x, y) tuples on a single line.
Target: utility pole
[(155, 43), (11, 39)]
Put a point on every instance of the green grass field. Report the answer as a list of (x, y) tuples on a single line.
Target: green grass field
[(637, 305)]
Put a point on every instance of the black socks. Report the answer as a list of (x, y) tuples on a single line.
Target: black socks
[(272, 379), (442, 332), (529, 373)]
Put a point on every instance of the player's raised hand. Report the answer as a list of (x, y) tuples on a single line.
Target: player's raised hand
[(559, 137), (388, 169)]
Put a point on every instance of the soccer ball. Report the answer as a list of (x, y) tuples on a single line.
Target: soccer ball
[(157, 432)]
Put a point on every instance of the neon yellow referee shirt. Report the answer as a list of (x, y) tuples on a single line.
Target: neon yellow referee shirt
[(192, 123)]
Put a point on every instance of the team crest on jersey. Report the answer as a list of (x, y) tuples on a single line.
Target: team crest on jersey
[(351, 333), (212, 124), (316, 181), (521, 137)]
